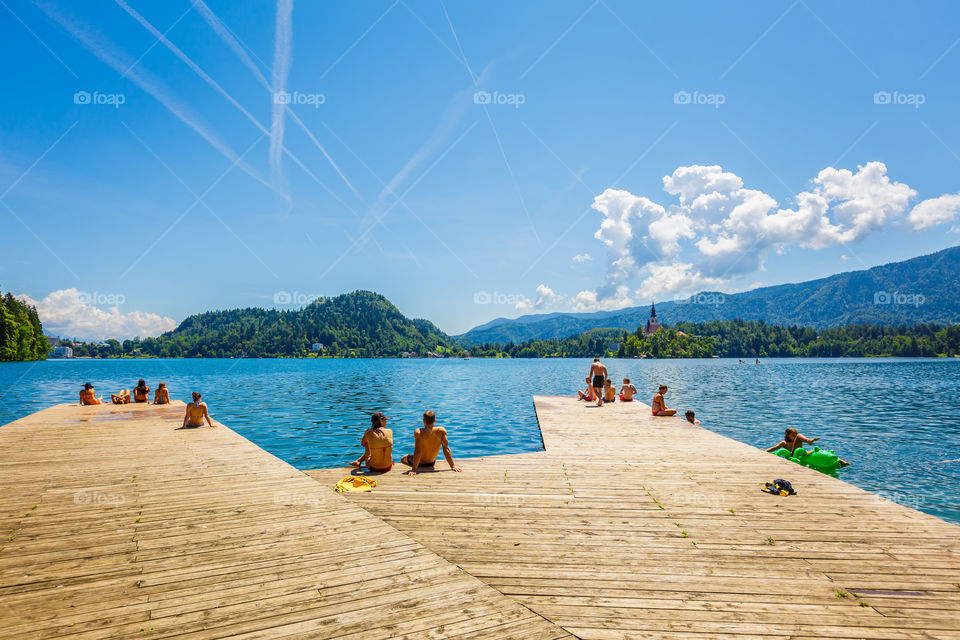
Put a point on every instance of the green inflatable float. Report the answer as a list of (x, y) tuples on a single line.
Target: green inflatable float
[(825, 461)]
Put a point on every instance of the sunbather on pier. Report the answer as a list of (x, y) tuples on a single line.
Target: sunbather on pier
[(196, 413), (377, 445), (428, 440), (659, 407), (89, 396)]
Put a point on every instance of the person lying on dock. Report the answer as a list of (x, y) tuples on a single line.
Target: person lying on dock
[(609, 391), (196, 413), (691, 417), (659, 407), (588, 393), (141, 392), (792, 440), (377, 445), (627, 391), (88, 395), (161, 395), (428, 440), (121, 397)]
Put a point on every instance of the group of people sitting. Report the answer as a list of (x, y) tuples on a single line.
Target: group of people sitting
[(429, 440), (600, 389), (141, 393)]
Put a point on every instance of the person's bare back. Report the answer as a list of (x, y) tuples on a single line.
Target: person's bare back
[(658, 406), (598, 373)]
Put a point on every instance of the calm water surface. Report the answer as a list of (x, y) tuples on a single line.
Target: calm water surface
[(896, 420)]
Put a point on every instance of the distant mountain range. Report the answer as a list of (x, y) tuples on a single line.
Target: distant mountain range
[(920, 290)]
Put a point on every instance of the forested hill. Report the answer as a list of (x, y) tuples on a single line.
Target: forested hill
[(21, 334), (916, 291), (361, 323)]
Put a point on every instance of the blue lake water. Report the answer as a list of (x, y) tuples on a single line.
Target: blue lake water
[(896, 420)]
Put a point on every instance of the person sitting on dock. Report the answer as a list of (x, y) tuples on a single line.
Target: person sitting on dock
[(588, 393), (121, 397), (609, 391), (627, 391), (659, 407), (599, 372), (88, 395), (141, 392), (793, 440), (161, 395), (377, 445), (691, 417), (196, 413), (428, 440)]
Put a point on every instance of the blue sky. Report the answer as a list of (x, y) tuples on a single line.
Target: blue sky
[(159, 159)]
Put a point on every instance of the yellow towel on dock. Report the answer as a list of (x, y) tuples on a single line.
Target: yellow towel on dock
[(355, 483)]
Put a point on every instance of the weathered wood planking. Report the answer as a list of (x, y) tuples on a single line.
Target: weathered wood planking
[(630, 526), (118, 525)]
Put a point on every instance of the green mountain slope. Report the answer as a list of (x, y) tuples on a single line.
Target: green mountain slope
[(920, 290)]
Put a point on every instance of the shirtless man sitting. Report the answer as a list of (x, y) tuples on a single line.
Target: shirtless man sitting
[(377, 445), (89, 396), (659, 407), (196, 413), (599, 374), (627, 391), (587, 394), (428, 440), (609, 391)]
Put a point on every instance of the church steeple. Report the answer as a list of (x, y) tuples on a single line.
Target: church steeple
[(652, 324), (653, 309)]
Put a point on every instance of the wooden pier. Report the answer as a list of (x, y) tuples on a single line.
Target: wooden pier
[(118, 525), (630, 526)]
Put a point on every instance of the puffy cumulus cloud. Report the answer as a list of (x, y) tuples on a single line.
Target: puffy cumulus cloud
[(546, 297), (582, 257), (70, 313), (674, 278), (603, 300), (718, 229), (935, 211)]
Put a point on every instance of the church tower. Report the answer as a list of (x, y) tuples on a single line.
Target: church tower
[(652, 324)]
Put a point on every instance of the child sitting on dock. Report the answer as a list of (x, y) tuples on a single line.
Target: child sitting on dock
[(377, 445), (588, 394), (627, 391), (609, 391), (428, 440), (659, 407), (88, 395)]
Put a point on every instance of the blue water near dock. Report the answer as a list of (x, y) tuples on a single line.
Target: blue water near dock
[(896, 420)]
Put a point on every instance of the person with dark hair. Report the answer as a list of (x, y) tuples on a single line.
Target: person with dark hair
[(627, 391), (88, 395), (599, 373), (196, 413), (691, 417), (428, 440), (162, 394), (141, 392), (659, 407), (377, 444)]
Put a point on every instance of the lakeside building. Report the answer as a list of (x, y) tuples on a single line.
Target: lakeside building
[(652, 324), (62, 352)]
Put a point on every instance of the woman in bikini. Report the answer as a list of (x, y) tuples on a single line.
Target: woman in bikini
[(89, 396), (162, 395), (141, 392), (377, 444)]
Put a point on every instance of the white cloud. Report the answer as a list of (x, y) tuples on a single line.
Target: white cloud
[(618, 298), (719, 230), (68, 313), (935, 211), (582, 257), (546, 297)]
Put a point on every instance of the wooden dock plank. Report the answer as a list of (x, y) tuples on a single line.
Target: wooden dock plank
[(630, 526), (118, 525)]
